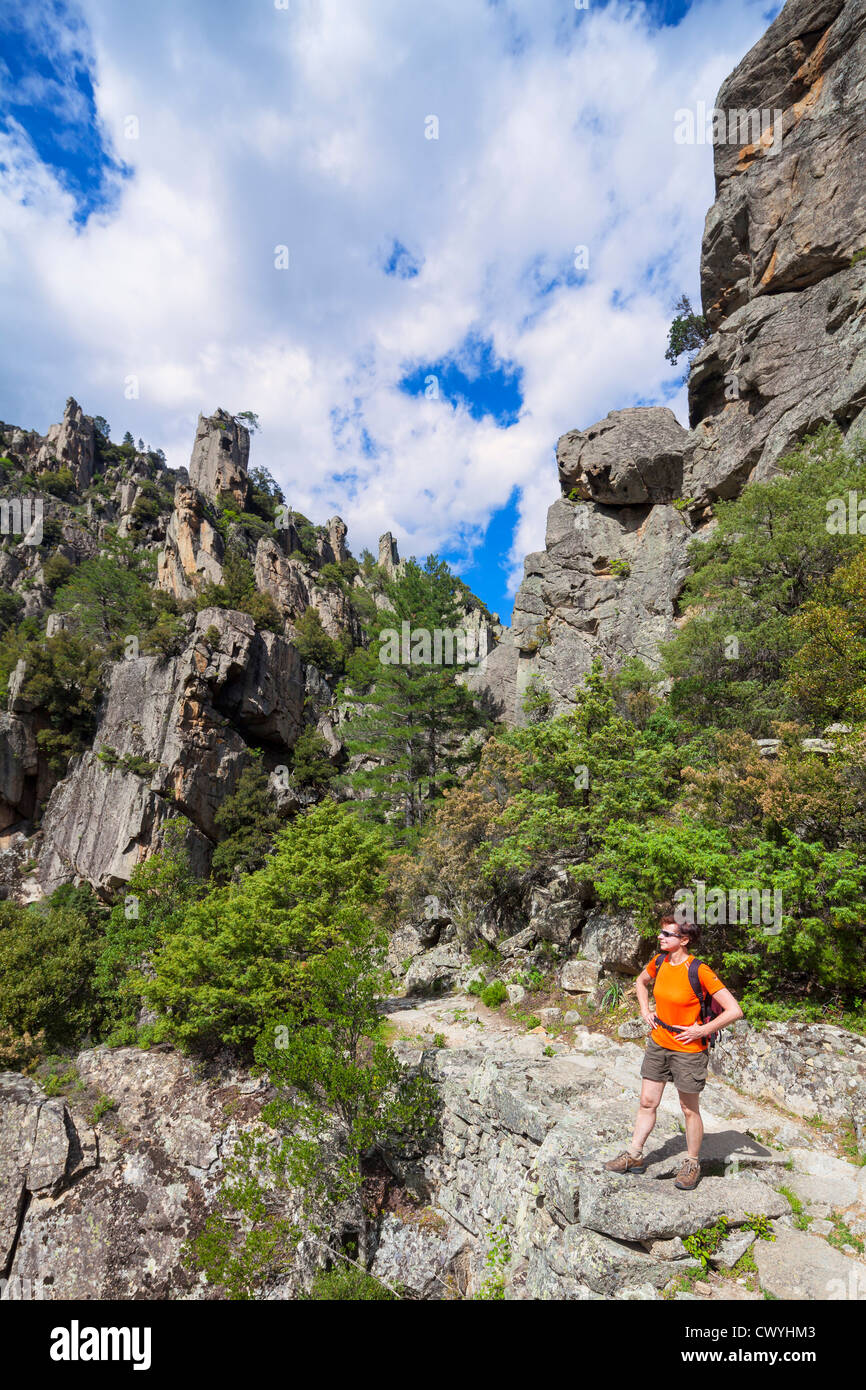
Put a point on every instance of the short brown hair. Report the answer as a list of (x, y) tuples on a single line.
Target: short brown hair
[(691, 931)]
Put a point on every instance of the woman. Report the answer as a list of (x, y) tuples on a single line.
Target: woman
[(676, 1049)]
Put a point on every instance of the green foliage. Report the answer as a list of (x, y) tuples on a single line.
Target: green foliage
[(627, 773), (491, 995), (112, 595), (158, 896), (249, 419), (239, 957), (620, 568), (10, 610), (311, 764), (706, 1241), (59, 482), (103, 1106), (842, 1235), (238, 591), (496, 1262), (47, 959), (827, 674), (341, 1092), (348, 1284), (410, 722), (248, 823), (56, 570), (688, 332), (484, 955), (314, 645), (613, 995), (819, 947), (264, 495), (167, 637), (537, 700), (801, 1220), (770, 553), (63, 680)]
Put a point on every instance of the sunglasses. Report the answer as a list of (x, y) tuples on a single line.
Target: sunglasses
[(671, 933)]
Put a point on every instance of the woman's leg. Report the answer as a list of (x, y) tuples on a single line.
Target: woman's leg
[(650, 1095), (690, 1103)]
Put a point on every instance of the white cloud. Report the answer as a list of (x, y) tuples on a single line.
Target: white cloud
[(305, 127)]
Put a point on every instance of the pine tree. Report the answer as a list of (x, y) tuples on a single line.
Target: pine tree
[(411, 723)]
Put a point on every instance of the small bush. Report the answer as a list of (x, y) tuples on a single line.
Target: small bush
[(348, 1284), (494, 994)]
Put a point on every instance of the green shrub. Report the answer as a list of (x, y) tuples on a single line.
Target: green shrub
[(314, 645), (59, 482), (238, 959), (494, 994), (47, 960), (349, 1284), (56, 570), (248, 823)]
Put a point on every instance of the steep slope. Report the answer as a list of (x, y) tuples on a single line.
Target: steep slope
[(783, 284)]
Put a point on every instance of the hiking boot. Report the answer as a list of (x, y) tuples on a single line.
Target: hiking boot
[(624, 1163), (689, 1175)]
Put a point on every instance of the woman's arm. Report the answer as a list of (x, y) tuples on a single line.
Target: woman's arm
[(732, 1012), (643, 979)]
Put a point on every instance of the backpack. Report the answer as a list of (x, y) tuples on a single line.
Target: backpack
[(709, 1008)]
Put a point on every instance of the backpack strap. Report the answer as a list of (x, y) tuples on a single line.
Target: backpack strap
[(702, 995)]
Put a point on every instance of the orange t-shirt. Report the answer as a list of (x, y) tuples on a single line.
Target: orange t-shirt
[(676, 1002)]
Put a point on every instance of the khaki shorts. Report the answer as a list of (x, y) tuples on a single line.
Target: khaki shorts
[(687, 1070)]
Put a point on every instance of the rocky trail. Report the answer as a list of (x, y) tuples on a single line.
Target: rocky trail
[(529, 1120)]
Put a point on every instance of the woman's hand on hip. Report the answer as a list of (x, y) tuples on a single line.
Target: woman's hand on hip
[(694, 1033)]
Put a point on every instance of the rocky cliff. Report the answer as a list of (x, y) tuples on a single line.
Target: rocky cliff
[(783, 282), (176, 726)]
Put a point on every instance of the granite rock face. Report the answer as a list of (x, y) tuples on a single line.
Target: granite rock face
[(605, 586), (632, 457), (70, 445), (784, 293), (813, 1069), (523, 1143), (292, 584), (106, 1217), (173, 739), (219, 458), (194, 549)]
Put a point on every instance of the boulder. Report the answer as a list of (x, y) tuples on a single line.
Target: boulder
[(611, 938), (433, 972), (799, 1266), (732, 1249), (579, 976), (631, 457), (642, 1208), (419, 1257)]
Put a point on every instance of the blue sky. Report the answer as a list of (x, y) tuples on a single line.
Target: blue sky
[(434, 173)]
